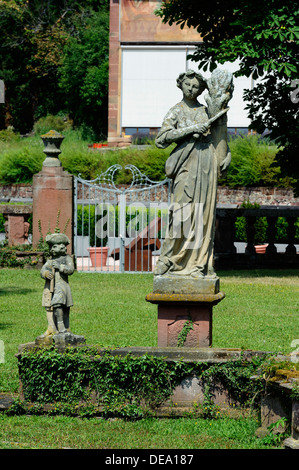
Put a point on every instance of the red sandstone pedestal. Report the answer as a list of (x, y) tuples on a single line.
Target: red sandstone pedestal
[(52, 195), (174, 310)]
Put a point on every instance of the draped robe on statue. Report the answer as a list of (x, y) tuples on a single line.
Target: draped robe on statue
[(188, 245)]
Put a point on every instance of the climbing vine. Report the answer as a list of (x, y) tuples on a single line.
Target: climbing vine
[(182, 336)]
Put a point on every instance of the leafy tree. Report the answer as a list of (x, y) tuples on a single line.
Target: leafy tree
[(14, 54), (33, 38), (31, 41), (264, 36), (84, 72)]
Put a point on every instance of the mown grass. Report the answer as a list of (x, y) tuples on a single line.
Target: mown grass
[(260, 312), (41, 432)]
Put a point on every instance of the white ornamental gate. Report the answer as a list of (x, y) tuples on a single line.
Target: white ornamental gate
[(119, 229)]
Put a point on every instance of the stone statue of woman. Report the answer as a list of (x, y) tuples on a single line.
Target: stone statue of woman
[(200, 156)]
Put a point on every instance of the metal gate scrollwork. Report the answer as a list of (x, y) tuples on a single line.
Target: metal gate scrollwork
[(119, 228)]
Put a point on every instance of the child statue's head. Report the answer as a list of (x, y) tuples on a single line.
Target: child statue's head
[(57, 243)]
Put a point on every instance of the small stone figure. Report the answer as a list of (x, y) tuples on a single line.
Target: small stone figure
[(57, 297)]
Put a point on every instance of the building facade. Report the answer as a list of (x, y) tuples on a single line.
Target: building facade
[(145, 58)]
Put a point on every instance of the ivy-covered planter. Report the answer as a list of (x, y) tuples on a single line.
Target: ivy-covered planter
[(134, 382)]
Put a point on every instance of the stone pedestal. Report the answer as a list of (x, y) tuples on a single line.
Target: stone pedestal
[(52, 196), (52, 193), (185, 310), (16, 225), (190, 312)]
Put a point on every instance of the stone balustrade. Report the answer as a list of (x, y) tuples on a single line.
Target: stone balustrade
[(227, 254)]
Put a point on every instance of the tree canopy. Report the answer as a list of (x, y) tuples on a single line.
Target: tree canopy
[(49, 59), (263, 35)]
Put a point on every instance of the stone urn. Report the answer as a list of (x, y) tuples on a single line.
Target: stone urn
[(52, 141)]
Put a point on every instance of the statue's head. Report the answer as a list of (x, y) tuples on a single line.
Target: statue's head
[(191, 76), (57, 243)]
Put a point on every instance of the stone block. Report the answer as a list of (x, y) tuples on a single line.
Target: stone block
[(295, 420), (173, 318), (175, 310), (168, 284), (272, 410), (17, 229), (62, 340)]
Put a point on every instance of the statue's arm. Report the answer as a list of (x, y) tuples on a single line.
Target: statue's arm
[(170, 133), (67, 267), (224, 165), (46, 270), (176, 135)]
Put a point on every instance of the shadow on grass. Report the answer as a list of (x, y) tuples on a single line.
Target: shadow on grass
[(16, 290), (4, 326), (254, 273)]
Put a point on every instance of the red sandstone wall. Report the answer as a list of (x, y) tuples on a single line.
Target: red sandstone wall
[(262, 196), (138, 23)]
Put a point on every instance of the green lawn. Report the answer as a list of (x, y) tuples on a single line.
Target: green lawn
[(183, 433), (260, 312)]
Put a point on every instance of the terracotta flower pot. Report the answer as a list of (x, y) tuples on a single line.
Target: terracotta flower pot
[(98, 255), (261, 248), (98, 146)]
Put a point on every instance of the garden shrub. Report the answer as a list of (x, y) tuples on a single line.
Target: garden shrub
[(50, 122), (10, 258), (20, 165), (78, 161), (2, 222), (261, 226), (8, 135), (150, 161), (253, 158), (253, 162)]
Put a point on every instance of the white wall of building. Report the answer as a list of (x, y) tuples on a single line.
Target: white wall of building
[(149, 85)]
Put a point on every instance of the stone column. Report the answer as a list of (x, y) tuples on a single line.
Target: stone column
[(52, 193), (115, 137), (114, 76)]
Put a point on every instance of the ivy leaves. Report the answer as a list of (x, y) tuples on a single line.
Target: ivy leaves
[(121, 384), (127, 386)]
